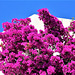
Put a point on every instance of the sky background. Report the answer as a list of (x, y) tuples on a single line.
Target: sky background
[(23, 9)]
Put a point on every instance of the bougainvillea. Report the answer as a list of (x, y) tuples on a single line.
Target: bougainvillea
[(27, 52)]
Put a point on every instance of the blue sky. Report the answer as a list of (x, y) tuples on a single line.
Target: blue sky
[(23, 9)]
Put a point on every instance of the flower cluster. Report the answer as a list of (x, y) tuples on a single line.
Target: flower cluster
[(27, 52), (72, 26)]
